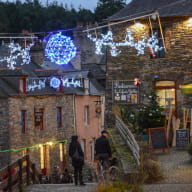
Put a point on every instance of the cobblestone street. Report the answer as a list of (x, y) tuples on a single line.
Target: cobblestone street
[(177, 169)]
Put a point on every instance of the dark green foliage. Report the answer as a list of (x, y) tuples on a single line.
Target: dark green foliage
[(189, 148), (151, 115), (34, 17), (106, 8), (144, 117)]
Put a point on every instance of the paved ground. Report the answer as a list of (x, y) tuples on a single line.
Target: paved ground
[(61, 188), (177, 169), (176, 166)]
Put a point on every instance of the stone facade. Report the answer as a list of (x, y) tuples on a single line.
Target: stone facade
[(4, 132), (51, 133), (175, 66)]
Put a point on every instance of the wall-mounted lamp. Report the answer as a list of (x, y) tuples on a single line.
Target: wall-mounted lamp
[(138, 24), (98, 108), (190, 20)]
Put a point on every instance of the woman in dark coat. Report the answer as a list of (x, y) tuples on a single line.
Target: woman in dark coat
[(76, 163)]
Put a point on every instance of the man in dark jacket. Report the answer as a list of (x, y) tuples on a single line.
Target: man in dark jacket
[(103, 149), (77, 155)]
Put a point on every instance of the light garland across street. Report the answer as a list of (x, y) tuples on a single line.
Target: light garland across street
[(60, 49), (129, 41), (17, 51)]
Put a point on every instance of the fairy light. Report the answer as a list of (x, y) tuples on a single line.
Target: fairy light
[(50, 143), (65, 82), (55, 82), (60, 49), (17, 51), (129, 41), (34, 146), (35, 84)]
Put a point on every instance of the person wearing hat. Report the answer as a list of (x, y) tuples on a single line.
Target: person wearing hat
[(77, 156), (103, 149)]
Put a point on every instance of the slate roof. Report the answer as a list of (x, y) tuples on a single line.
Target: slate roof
[(95, 69), (9, 79), (166, 8), (51, 65), (95, 87)]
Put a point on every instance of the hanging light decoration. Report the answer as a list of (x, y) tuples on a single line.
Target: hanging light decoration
[(60, 49), (129, 41), (56, 82), (33, 84), (17, 51)]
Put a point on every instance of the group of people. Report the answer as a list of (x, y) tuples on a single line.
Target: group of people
[(102, 152)]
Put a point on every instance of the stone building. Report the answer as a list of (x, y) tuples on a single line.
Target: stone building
[(166, 70), (41, 107)]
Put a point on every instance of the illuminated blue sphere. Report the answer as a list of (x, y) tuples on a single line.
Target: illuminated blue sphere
[(60, 49), (55, 82)]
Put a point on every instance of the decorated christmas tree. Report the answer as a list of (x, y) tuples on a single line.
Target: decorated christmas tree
[(151, 115)]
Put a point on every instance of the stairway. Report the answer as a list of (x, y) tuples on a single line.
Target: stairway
[(125, 147), (122, 152)]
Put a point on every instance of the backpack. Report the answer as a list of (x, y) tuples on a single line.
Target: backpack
[(76, 156)]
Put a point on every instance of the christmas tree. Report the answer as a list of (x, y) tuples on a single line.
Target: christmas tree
[(151, 115)]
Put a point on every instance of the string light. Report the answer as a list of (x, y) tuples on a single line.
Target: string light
[(60, 49), (129, 41), (56, 82), (35, 84), (34, 146), (17, 51)]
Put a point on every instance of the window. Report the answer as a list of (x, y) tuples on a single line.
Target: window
[(86, 115), (83, 146), (159, 53), (39, 118), (23, 121), (59, 117), (125, 92), (166, 94), (22, 85)]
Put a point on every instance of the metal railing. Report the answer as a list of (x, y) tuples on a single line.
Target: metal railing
[(129, 138)]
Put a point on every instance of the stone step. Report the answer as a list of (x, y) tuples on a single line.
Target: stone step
[(89, 187), (123, 153)]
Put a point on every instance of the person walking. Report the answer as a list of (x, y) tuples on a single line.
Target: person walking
[(103, 149), (77, 156)]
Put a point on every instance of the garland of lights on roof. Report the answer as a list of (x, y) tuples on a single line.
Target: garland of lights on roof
[(54, 82)]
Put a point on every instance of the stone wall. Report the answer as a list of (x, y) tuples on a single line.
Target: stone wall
[(4, 132), (176, 66), (35, 136)]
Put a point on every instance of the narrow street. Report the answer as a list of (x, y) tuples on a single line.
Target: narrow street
[(177, 169)]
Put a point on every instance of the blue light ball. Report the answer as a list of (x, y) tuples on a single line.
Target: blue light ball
[(55, 82), (60, 49)]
